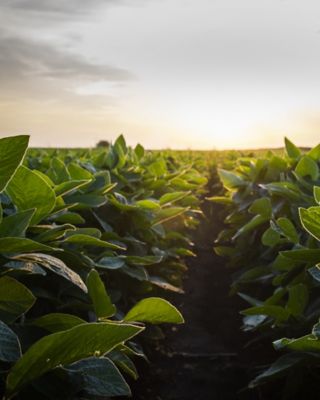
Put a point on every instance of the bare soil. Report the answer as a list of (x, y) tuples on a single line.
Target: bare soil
[(206, 357)]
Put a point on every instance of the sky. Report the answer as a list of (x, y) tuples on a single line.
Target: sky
[(202, 74)]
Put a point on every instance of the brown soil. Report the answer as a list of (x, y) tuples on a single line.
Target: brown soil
[(205, 358)]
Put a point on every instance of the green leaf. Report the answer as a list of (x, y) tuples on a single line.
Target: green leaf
[(100, 377), (55, 265), (58, 171), (66, 187), (288, 229), (155, 311), (148, 204), (86, 200), (310, 220), (12, 152), (110, 263), (256, 221), (124, 363), (166, 214), (169, 198), (276, 312), (307, 167), (316, 193), (78, 173), (142, 260), (230, 180), (87, 240), (270, 237), (66, 347), (102, 304), (16, 224), (139, 151), (18, 245), (291, 149), (28, 190), (304, 343), (10, 350), (15, 299), (303, 255), (262, 207), (56, 322), (314, 153), (298, 299), (287, 190), (279, 368)]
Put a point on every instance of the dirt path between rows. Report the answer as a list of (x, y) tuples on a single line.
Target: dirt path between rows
[(205, 358)]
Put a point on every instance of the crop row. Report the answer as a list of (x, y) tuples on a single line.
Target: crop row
[(272, 241), (89, 239)]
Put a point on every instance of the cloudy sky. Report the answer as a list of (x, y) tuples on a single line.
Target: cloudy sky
[(168, 73)]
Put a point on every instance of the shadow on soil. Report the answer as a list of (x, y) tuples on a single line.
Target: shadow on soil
[(205, 358)]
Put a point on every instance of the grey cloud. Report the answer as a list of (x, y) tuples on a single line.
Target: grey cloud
[(56, 6), (24, 58)]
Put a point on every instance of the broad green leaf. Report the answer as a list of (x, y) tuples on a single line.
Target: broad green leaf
[(230, 180), (158, 168), (148, 204), (16, 224), (136, 272), (10, 350), (78, 173), (314, 153), (220, 200), (280, 367), (102, 304), (86, 200), (270, 237), (316, 193), (55, 265), (124, 363), (287, 190), (154, 310), (310, 220), (139, 151), (66, 347), (142, 260), (298, 299), (58, 171), (169, 198), (304, 343), (53, 232), (307, 167), (291, 149), (256, 221), (15, 299), (86, 240), (288, 229), (66, 187), (18, 245), (100, 377), (167, 214), (69, 218), (28, 190), (262, 207), (303, 255), (110, 263), (56, 322), (12, 152), (276, 312)]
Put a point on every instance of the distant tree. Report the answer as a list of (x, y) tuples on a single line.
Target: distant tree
[(103, 143)]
